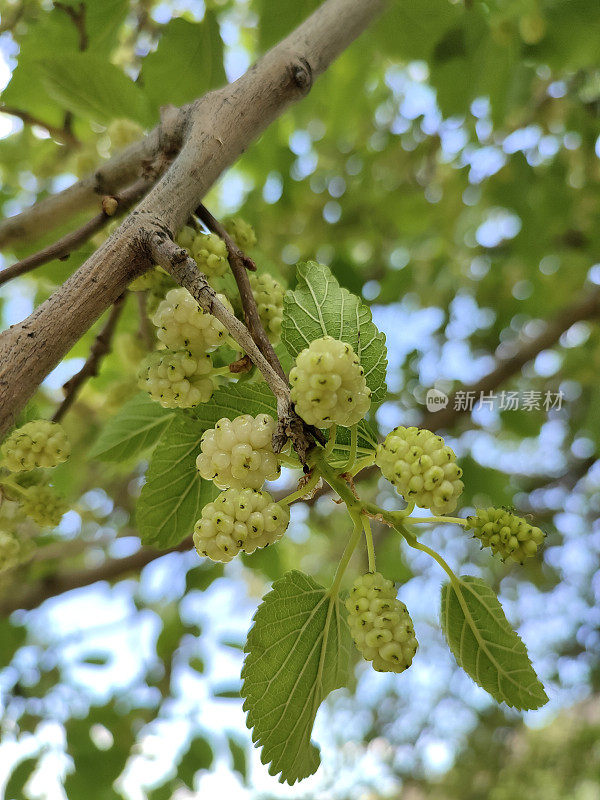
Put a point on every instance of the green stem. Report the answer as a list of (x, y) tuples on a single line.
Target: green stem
[(362, 463), (370, 548), (353, 448), (413, 542), (317, 460), (347, 554), (441, 520), (17, 488), (330, 442), (303, 490)]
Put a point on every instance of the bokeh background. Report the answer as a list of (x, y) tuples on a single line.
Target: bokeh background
[(446, 168)]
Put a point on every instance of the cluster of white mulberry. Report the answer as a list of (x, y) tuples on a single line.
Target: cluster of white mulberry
[(239, 519), (380, 624), (237, 455), (328, 384), (422, 468), (181, 375), (37, 444)]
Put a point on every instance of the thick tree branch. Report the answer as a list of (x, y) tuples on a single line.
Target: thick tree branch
[(29, 596), (111, 206), (586, 308), (240, 263), (120, 171), (221, 125), (100, 348), (63, 134)]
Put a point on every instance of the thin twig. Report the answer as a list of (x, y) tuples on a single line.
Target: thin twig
[(61, 134), (586, 308), (98, 350), (32, 595), (239, 263), (176, 261), (65, 246), (77, 16)]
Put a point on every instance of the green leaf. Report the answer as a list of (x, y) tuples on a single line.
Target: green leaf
[(198, 756), (91, 86), (238, 757), (367, 443), (190, 49), (410, 30), (319, 306), (18, 778), (174, 493), (136, 428), (227, 691), (244, 398), (297, 653), (485, 645)]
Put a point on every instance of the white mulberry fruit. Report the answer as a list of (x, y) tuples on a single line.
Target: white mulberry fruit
[(506, 534), (239, 453), (328, 384), (380, 624), (422, 468), (39, 443), (241, 232), (210, 254), (177, 379), (182, 325), (239, 520), (44, 506), (268, 294)]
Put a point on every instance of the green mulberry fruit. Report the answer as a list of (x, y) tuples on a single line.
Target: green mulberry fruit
[(268, 294), (510, 536), (380, 624), (44, 506), (39, 443), (210, 254), (241, 232)]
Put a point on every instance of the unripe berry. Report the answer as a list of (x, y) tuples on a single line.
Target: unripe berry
[(177, 379), (380, 624), (10, 551), (186, 237), (422, 468), (123, 132), (268, 294), (328, 384), (510, 536), (182, 325), (239, 453), (39, 443), (210, 253), (241, 232), (44, 506), (239, 520)]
